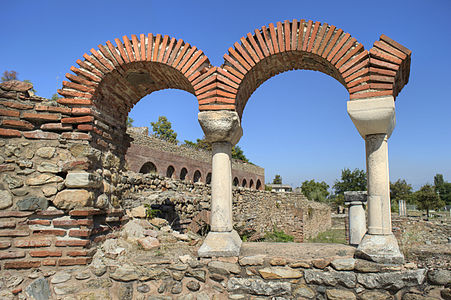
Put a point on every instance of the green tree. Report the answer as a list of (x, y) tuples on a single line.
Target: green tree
[(237, 153), (428, 199), (55, 97), (130, 122), (315, 191), (400, 190), (277, 179), (163, 129), (202, 143), (350, 181), (9, 75), (442, 188)]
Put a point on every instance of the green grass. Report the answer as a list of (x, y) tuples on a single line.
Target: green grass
[(277, 236), (335, 236)]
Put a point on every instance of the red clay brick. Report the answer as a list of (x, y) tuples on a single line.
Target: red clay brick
[(156, 47), (261, 43), (163, 48), (77, 120), (85, 222), (85, 127), (371, 94), (326, 39), (71, 243), (16, 290), (38, 222), (12, 254), (332, 43), (25, 264), (14, 233), (320, 38), (75, 253), (49, 232), (52, 213), (81, 80), (17, 124), (56, 127), (149, 47), (49, 262), (65, 223), (38, 116), (76, 136), (80, 232), (75, 94), (74, 261), (395, 44), (9, 113), (109, 66), (45, 253), (10, 132), (64, 110), (5, 244), (16, 105), (74, 101), (216, 107), (128, 47), (348, 56), (337, 48), (39, 134), (76, 86), (86, 74), (307, 35), (175, 52), (267, 39), (272, 32), (15, 214), (142, 39), (113, 50), (81, 111), (85, 212)]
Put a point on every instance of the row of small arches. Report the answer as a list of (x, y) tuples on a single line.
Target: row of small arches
[(149, 168)]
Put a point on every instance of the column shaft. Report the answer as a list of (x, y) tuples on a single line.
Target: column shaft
[(221, 187), (379, 212)]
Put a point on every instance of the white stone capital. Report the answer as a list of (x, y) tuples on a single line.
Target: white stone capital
[(221, 126), (373, 115)]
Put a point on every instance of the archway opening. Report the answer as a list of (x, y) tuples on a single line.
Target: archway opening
[(148, 168), (251, 183), (258, 185), (243, 184), (236, 182), (170, 172), (183, 174), (197, 176), (208, 178)]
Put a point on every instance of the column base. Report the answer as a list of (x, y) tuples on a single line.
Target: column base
[(380, 248), (220, 244)]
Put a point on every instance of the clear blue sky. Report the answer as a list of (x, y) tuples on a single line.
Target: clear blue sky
[(295, 124)]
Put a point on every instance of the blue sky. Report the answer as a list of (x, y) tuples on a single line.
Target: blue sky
[(295, 124)]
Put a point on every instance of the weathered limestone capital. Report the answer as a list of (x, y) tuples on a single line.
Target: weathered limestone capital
[(355, 197), (373, 115), (221, 126)]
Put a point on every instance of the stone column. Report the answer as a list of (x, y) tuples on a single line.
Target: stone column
[(374, 118), (356, 216), (223, 130)]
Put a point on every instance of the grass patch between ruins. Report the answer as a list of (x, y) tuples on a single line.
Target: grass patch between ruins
[(334, 236)]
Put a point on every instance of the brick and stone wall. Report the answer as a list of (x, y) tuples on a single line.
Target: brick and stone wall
[(255, 212), (145, 148)]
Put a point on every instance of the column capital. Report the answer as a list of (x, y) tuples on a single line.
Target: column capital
[(355, 197), (373, 115), (221, 126)]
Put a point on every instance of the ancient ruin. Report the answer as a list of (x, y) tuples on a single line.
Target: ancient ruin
[(64, 186)]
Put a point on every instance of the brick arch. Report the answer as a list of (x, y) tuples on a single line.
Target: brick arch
[(109, 81), (273, 49)]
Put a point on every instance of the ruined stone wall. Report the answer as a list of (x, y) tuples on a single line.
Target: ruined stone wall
[(254, 212), (145, 148)]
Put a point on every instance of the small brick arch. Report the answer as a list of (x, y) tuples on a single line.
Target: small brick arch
[(148, 167), (244, 183), (183, 173), (197, 176), (251, 183), (170, 171)]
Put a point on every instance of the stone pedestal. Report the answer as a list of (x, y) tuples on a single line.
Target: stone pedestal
[(374, 118), (356, 216), (223, 130)]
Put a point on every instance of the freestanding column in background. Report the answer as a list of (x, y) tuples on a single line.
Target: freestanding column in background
[(356, 216), (223, 130), (374, 118)]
